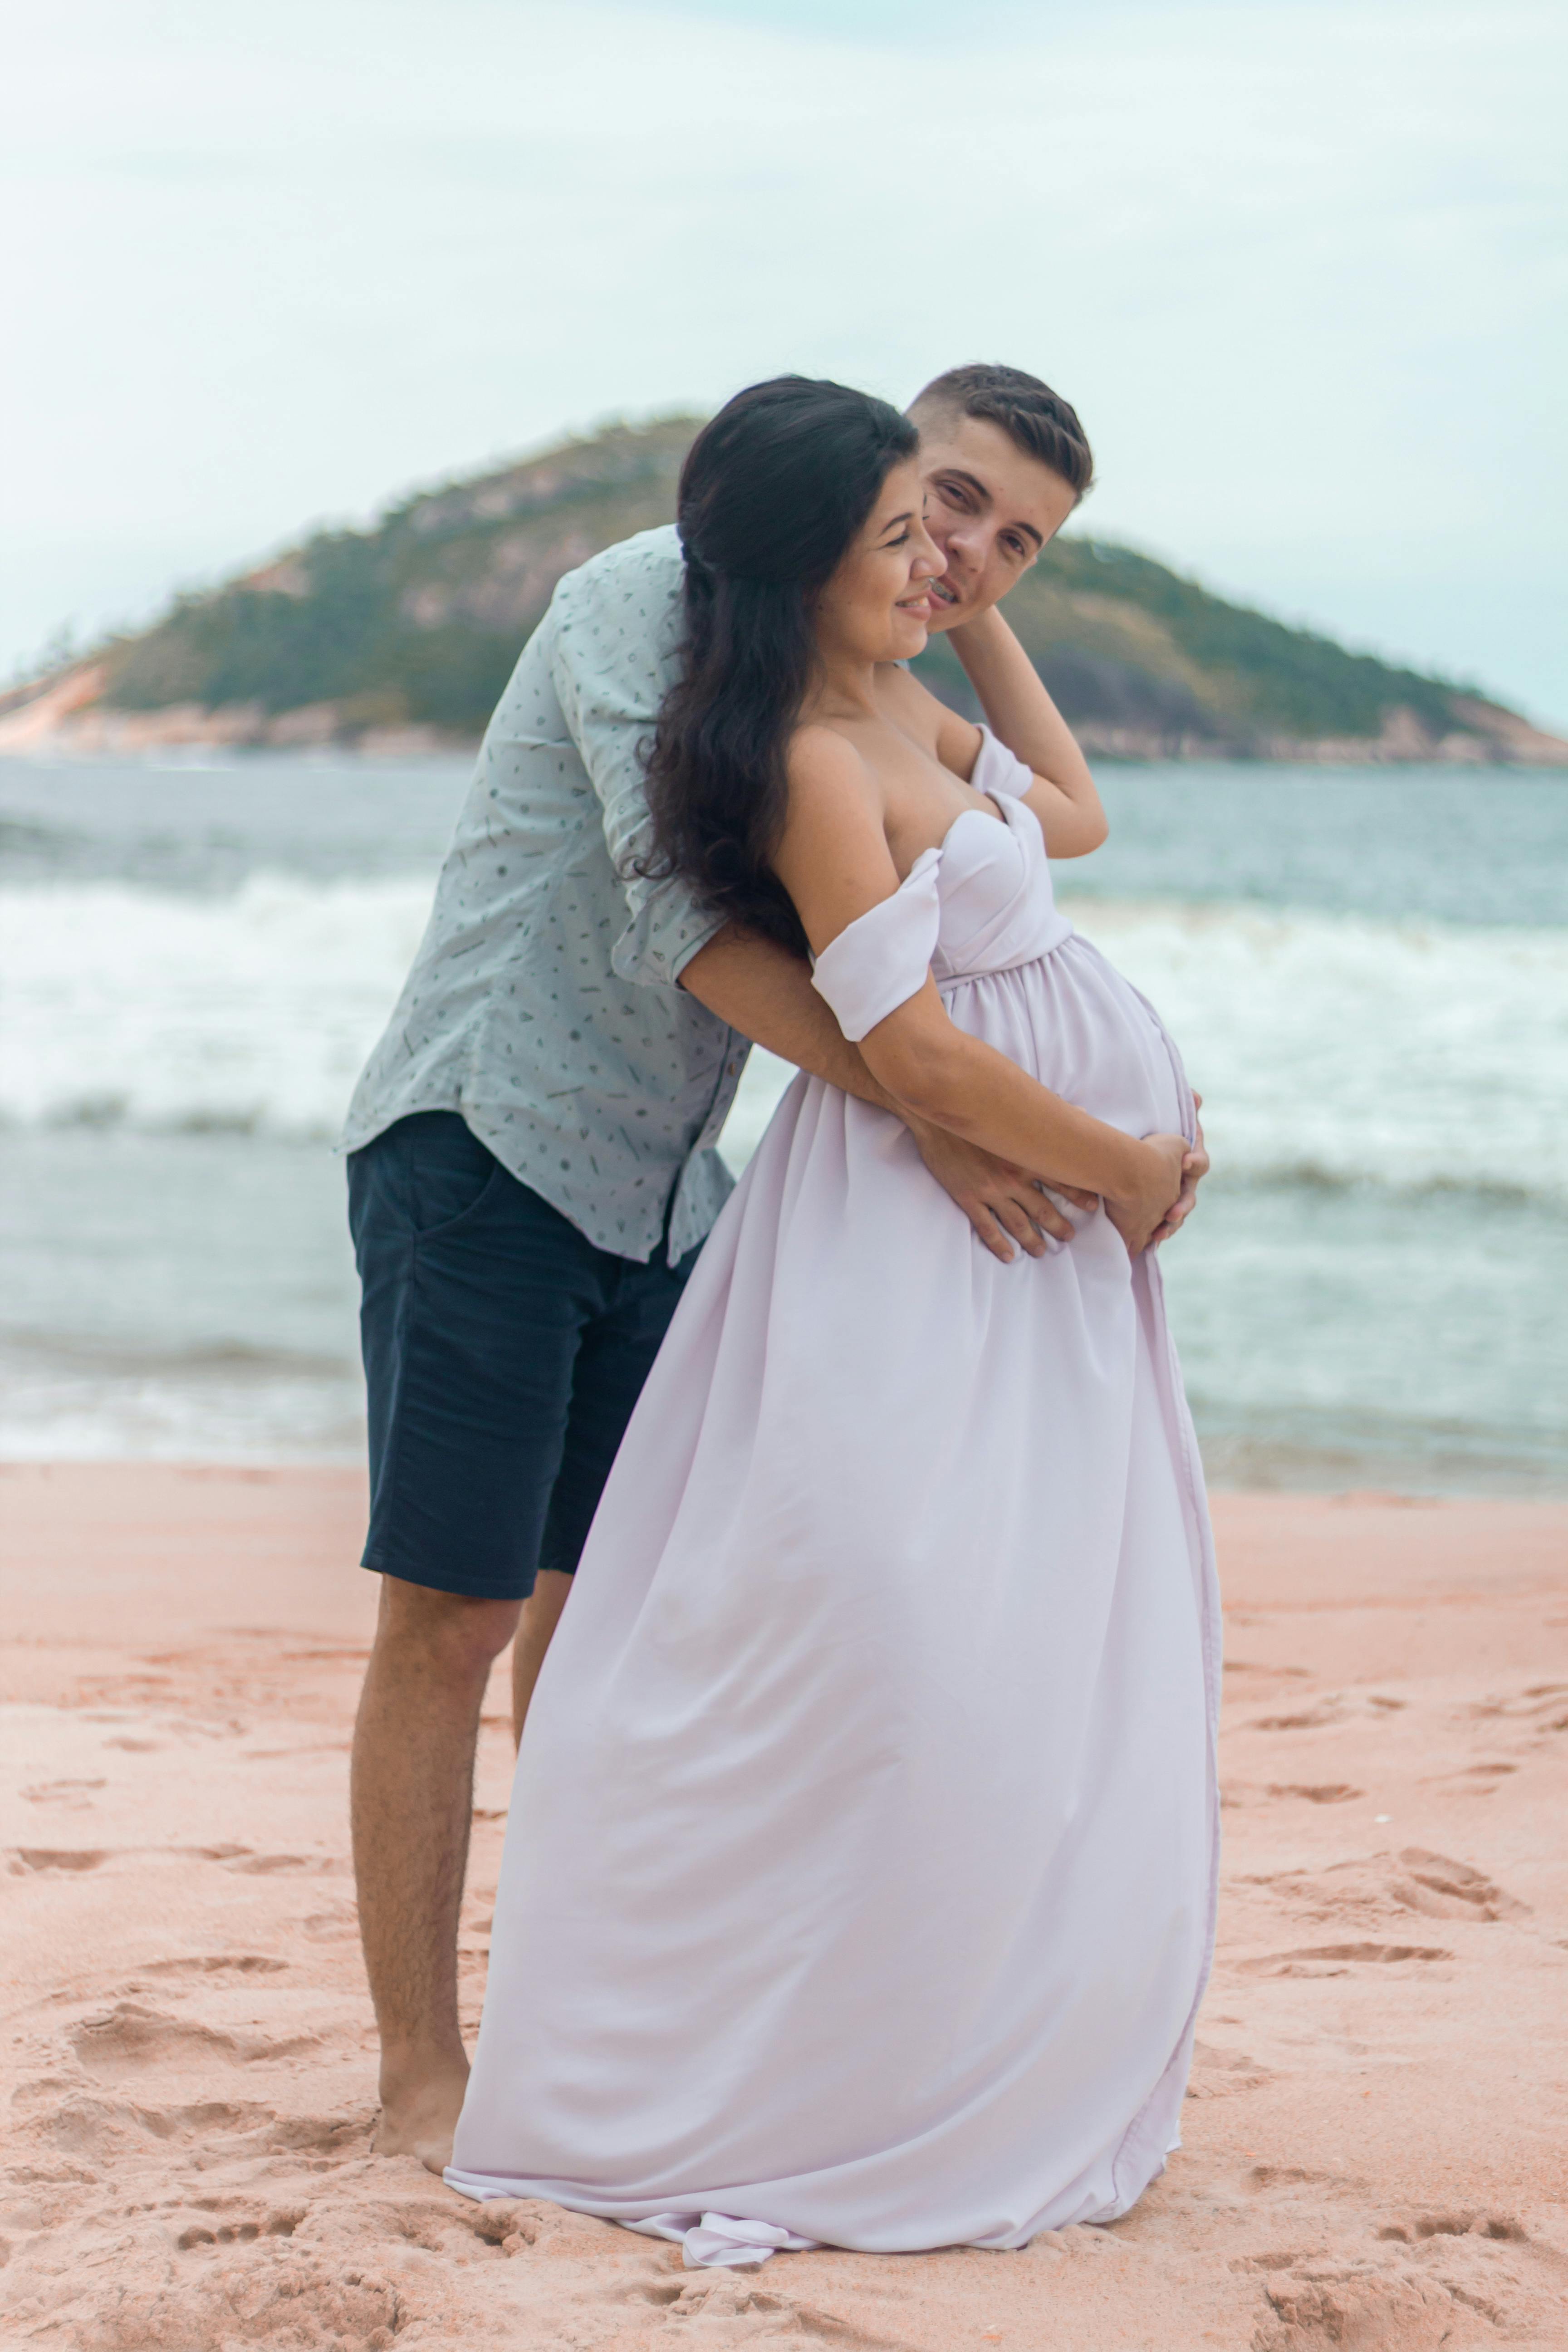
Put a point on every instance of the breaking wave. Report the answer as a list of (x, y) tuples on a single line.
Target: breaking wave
[(1331, 1049)]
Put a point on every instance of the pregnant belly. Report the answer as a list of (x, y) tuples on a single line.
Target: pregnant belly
[(1072, 1022)]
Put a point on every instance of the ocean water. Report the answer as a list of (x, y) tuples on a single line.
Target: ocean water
[(1368, 974)]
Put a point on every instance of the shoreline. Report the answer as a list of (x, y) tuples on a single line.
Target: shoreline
[(1235, 1464), (427, 747), (1378, 2115)]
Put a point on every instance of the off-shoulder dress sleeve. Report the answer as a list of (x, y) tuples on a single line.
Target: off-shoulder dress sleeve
[(997, 772), (881, 958)]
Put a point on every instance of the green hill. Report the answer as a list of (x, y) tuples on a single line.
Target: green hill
[(409, 631)]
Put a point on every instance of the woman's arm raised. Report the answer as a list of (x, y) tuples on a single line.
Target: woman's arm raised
[(1021, 714), (834, 863)]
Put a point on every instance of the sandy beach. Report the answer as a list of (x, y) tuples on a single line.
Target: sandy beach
[(1376, 2138)]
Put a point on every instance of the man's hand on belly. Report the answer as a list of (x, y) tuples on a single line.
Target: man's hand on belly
[(1004, 1204), (1195, 1168)]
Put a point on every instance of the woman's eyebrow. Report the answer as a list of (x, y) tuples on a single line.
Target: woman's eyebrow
[(894, 520)]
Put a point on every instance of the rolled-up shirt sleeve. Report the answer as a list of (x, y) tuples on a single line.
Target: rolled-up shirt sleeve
[(613, 659)]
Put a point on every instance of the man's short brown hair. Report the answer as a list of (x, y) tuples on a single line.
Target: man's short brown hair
[(1040, 421)]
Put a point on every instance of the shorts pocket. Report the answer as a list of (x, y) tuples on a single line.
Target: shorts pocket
[(447, 1173)]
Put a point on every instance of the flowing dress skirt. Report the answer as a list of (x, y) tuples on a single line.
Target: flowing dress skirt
[(859, 1881)]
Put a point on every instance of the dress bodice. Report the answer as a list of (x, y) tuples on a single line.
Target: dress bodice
[(979, 902)]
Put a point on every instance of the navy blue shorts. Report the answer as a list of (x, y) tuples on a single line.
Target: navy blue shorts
[(503, 1353)]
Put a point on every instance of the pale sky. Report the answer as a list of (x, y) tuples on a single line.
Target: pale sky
[(1300, 264)]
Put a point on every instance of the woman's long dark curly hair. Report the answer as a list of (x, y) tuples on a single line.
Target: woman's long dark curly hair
[(772, 495)]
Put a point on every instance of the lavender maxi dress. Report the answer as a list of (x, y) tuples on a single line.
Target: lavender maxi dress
[(859, 1883)]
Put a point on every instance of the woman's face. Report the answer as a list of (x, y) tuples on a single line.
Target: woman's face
[(875, 608)]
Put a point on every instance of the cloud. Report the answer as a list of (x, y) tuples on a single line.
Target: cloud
[(1295, 260)]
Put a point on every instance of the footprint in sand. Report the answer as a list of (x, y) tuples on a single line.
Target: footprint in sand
[(305, 1865), (42, 1858), (1312, 1719), (113, 2132), (1338, 1959), (269, 2291), (1354, 2308), (778, 2318), (1262, 2179), (1234, 1794), (1547, 1700), (1320, 1713), (71, 1795), (752, 2314), (1544, 1704), (1434, 2276), (1317, 1792), (1366, 1893), (1221, 2073), (331, 1926), (281, 2224), (206, 1964), (245, 1859), (322, 2135), (1475, 1780), (1456, 2225), (440, 2225), (130, 2039), (1443, 1889)]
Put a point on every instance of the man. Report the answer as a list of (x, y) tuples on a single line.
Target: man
[(533, 1169)]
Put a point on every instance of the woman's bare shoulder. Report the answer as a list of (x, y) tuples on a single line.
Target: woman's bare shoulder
[(824, 766), (832, 856)]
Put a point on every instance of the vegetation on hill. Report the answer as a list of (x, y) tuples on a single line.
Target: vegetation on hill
[(1120, 639), (418, 621)]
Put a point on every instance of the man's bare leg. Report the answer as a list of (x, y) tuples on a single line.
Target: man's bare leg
[(540, 1616), (411, 1805)]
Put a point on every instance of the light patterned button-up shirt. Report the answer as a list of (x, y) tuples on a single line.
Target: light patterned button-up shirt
[(543, 1004)]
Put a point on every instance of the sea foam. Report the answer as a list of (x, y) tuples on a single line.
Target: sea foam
[(1329, 1048), (162, 1011)]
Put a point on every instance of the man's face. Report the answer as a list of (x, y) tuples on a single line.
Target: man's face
[(990, 507)]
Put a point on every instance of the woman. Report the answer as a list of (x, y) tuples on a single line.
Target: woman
[(858, 1887)]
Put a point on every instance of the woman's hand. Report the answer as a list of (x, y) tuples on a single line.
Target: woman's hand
[(1195, 1168), (1153, 1188)]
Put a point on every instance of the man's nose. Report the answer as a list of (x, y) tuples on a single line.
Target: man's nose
[(962, 540)]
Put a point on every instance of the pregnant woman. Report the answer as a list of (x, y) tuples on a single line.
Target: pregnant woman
[(859, 1881)]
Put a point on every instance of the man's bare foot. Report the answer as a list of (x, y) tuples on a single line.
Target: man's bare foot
[(419, 2117)]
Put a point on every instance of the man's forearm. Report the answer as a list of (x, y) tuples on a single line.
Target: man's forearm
[(765, 993)]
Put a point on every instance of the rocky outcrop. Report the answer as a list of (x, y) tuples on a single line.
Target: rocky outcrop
[(399, 640)]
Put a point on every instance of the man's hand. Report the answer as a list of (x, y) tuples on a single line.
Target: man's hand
[(1004, 1204), (1195, 1168)]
